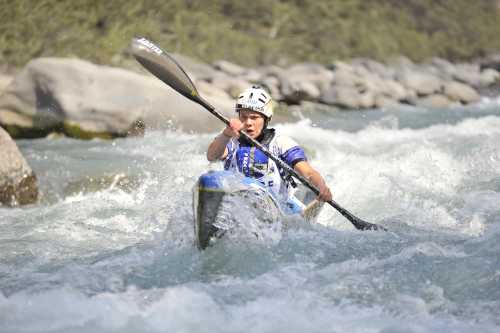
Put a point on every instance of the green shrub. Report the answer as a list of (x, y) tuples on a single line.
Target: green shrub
[(250, 33)]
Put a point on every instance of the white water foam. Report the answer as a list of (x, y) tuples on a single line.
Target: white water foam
[(109, 260), (409, 172)]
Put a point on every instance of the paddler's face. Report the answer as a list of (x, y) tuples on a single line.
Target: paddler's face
[(253, 122)]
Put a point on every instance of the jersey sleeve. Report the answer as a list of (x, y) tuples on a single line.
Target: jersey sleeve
[(290, 151)]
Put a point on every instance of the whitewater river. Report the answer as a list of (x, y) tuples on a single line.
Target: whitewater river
[(110, 246)]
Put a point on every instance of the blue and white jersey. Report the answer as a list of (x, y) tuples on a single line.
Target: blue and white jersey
[(252, 162)]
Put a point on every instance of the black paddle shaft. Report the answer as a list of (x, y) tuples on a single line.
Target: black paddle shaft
[(164, 67)]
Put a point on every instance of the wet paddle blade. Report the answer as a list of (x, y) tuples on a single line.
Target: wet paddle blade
[(356, 221), (164, 67), (363, 225)]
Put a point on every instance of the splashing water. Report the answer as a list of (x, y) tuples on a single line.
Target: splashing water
[(110, 247)]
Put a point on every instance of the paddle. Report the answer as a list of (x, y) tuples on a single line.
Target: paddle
[(165, 68)]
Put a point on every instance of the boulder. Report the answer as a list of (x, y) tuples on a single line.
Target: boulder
[(233, 86), (488, 77), (442, 68), (422, 83), (251, 75), (460, 92), (311, 72), (375, 68), (329, 96), (195, 69), (382, 101), (271, 70), (294, 90), (18, 183), (345, 75), (393, 90), (84, 100), (5, 81), (491, 61), (214, 94), (229, 68), (272, 84), (434, 101), (400, 63), (366, 100), (443, 65), (468, 74), (302, 81), (345, 97)]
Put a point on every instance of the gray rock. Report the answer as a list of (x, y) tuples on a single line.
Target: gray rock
[(303, 81), (460, 92), (366, 100), (229, 68), (488, 77), (271, 70), (85, 100), (434, 101), (382, 101), (345, 75), (252, 75), (443, 68), (5, 81), (311, 107), (294, 90), (329, 95), (491, 91), (380, 69), (233, 86), (345, 97), (195, 69), (491, 61), (213, 93), (18, 183), (401, 62), (272, 84), (54, 93), (422, 83), (443, 65), (315, 73), (374, 67), (468, 74), (394, 90)]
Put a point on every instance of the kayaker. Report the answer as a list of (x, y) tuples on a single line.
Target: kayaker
[(255, 110)]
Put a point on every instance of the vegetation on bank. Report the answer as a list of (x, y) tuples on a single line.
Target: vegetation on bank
[(250, 32)]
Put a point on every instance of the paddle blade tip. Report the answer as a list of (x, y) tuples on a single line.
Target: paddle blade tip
[(139, 45)]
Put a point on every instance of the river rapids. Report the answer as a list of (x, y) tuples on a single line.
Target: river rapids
[(110, 246)]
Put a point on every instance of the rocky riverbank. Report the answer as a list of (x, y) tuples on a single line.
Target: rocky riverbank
[(83, 100)]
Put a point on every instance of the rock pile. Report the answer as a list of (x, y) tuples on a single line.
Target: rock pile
[(362, 83), (84, 100)]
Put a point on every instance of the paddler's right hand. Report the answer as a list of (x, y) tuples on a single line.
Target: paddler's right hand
[(233, 129)]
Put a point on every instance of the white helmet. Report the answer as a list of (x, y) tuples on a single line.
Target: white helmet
[(256, 99)]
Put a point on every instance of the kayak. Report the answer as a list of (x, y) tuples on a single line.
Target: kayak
[(223, 200)]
